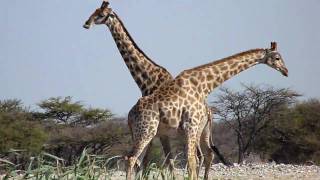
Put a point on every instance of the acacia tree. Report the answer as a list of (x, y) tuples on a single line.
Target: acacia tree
[(248, 112), (64, 110), (11, 105), (93, 116)]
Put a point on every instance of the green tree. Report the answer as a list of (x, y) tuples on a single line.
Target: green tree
[(11, 105), (93, 116), (64, 110), (294, 137)]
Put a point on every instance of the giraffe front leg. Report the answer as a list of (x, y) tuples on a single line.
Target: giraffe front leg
[(192, 172), (191, 155)]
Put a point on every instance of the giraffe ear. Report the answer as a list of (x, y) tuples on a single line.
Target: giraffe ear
[(104, 4), (273, 46)]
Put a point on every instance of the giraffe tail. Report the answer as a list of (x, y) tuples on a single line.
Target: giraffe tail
[(213, 147)]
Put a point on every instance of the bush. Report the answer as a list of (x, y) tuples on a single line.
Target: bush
[(111, 137), (17, 132), (18, 129), (294, 137)]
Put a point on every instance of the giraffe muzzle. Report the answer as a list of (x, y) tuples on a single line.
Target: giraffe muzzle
[(284, 71), (87, 26)]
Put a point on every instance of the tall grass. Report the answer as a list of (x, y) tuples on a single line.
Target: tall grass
[(48, 166), (87, 166)]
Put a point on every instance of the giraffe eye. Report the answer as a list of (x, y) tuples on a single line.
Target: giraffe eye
[(100, 15), (277, 58)]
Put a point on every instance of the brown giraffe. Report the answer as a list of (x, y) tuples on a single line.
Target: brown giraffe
[(147, 74), (177, 107)]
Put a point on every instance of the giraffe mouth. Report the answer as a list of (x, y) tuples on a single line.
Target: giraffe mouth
[(284, 71), (87, 25)]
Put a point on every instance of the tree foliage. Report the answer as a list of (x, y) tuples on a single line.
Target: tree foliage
[(295, 136), (93, 116), (64, 110), (61, 109), (11, 105), (18, 130)]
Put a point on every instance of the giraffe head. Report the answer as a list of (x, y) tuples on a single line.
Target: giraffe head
[(99, 16), (273, 59)]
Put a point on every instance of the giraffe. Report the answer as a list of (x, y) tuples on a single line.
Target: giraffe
[(177, 107), (148, 76)]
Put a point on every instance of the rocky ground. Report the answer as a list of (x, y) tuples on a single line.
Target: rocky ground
[(265, 171), (247, 172), (255, 171)]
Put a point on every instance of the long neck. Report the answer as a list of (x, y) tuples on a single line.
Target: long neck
[(209, 76), (146, 73)]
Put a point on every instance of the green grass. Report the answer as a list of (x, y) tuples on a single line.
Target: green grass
[(88, 166), (48, 166)]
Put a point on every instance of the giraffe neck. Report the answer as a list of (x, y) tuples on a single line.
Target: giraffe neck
[(146, 73), (209, 76)]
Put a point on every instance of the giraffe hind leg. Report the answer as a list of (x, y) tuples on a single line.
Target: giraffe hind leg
[(145, 158), (138, 148), (209, 155), (200, 159), (205, 141), (143, 131)]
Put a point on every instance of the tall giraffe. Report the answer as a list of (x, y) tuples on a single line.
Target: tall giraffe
[(147, 74), (177, 107)]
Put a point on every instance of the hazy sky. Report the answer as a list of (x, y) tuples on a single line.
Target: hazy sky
[(45, 52)]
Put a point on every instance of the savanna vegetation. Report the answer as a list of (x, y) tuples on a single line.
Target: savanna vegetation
[(67, 138)]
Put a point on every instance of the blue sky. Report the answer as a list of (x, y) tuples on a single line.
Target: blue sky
[(45, 52)]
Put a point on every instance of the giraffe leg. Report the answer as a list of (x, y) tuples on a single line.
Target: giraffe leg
[(146, 157), (200, 159), (143, 129), (165, 142), (205, 145), (191, 155), (138, 148), (209, 155)]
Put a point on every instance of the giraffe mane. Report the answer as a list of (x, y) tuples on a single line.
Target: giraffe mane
[(133, 42), (227, 58)]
